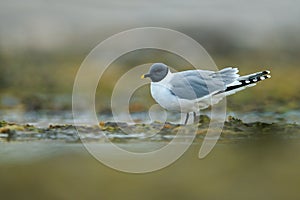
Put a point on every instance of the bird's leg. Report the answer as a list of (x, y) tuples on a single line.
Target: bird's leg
[(196, 117), (187, 118)]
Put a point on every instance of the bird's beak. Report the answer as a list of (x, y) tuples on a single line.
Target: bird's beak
[(145, 76)]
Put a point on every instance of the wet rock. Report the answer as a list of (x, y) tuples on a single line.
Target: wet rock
[(234, 129)]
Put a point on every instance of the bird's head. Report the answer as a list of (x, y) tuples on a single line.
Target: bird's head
[(157, 72)]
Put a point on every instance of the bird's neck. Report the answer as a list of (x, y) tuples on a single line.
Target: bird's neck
[(167, 78)]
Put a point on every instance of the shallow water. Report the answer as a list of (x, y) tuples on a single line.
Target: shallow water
[(45, 118), (56, 165), (258, 170)]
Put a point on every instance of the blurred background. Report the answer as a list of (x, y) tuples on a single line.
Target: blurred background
[(43, 43)]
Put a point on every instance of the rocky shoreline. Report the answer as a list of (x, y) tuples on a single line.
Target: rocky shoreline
[(233, 130)]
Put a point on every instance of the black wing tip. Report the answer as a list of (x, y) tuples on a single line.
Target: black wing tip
[(266, 72)]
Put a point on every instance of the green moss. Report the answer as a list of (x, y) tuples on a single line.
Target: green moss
[(3, 123)]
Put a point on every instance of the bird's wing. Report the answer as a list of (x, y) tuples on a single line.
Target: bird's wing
[(194, 84)]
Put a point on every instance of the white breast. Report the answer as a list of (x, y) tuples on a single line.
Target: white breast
[(163, 96)]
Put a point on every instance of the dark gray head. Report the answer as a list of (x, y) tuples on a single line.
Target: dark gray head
[(157, 72)]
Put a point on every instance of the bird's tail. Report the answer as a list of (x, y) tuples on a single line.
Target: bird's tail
[(253, 78), (245, 81)]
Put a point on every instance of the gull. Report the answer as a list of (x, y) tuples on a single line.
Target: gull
[(193, 90)]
